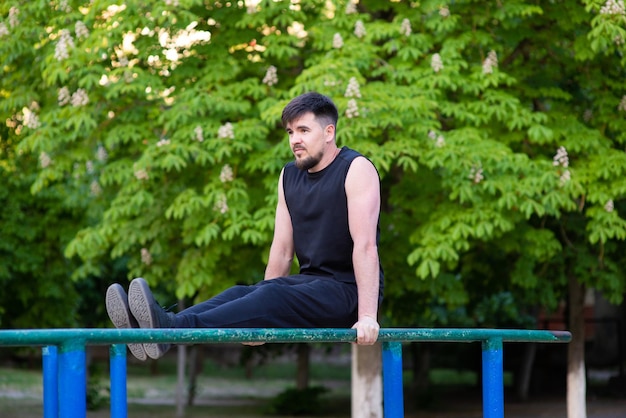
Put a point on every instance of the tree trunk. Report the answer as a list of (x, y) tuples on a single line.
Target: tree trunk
[(181, 363), (367, 386), (420, 366), (194, 370), (525, 371), (180, 383), (576, 380), (302, 378)]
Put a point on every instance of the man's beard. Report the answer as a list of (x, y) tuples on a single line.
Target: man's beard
[(308, 162)]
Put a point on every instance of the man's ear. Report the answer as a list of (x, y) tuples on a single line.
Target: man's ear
[(330, 130)]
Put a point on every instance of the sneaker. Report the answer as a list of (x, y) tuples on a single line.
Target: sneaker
[(149, 314), (119, 313)]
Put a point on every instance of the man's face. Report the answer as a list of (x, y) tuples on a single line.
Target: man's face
[(308, 140)]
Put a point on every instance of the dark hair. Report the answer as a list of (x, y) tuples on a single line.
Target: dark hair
[(321, 106)]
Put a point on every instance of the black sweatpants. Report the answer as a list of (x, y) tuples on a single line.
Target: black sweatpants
[(298, 301)]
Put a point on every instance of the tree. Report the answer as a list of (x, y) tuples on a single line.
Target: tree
[(498, 132)]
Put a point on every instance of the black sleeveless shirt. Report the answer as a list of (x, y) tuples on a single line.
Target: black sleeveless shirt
[(318, 207)]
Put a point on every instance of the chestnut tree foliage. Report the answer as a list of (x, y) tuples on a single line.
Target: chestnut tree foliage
[(148, 134)]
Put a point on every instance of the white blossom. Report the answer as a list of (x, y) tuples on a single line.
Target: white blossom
[(487, 67), (270, 76), (405, 27), (226, 175), (226, 131), (65, 42), (64, 96), (199, 134), (438, 139), (141, 174), (609, 206), (351, 7), (251, 7), (44, 159), (81, 30), (588, 115), (89, 166), (352, 110), (174, 3), (561, 158), (476, 174), (436, 63), (64, 6), (163, 142), (146, 257), (95, 188), (79, 98), (444, 11), (490, 62), (337, 41), (3, 29), (31, 120), (613, 7), (101, 153), (13, 13), (618, 40), (622, 104), (359, 29), (122, 60), (353, 89), (221, 205)]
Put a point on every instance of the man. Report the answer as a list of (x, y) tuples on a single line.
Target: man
[(327, 214)]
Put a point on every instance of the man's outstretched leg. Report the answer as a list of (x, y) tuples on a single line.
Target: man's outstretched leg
[(117, 308), (149, 314)]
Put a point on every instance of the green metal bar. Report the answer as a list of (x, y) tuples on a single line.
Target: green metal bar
[(107, 336), (72, 343)]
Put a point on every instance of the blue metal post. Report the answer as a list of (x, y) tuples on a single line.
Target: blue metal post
[(72, 380), (493, 381), (50, 382), (393, 398), (118, 381)]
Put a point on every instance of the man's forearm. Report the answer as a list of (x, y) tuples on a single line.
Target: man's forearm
[(366, 269), (278, 265)]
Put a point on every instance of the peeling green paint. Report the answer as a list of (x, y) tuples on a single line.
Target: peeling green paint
[(94, 336)]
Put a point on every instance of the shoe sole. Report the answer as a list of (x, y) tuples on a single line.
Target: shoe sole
[(117, 308), (140, 300)]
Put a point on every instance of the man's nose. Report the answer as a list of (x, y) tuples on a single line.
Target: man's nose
[(295, 138)]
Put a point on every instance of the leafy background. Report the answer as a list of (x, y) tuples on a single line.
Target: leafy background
[(144, 139)]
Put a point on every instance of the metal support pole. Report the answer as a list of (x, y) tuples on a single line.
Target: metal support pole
[(117, 355), (493, 381), (72, 380), (393, 397), (50, 382)]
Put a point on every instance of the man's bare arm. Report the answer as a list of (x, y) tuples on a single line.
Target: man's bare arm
[(363, 193), (282, 249)]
